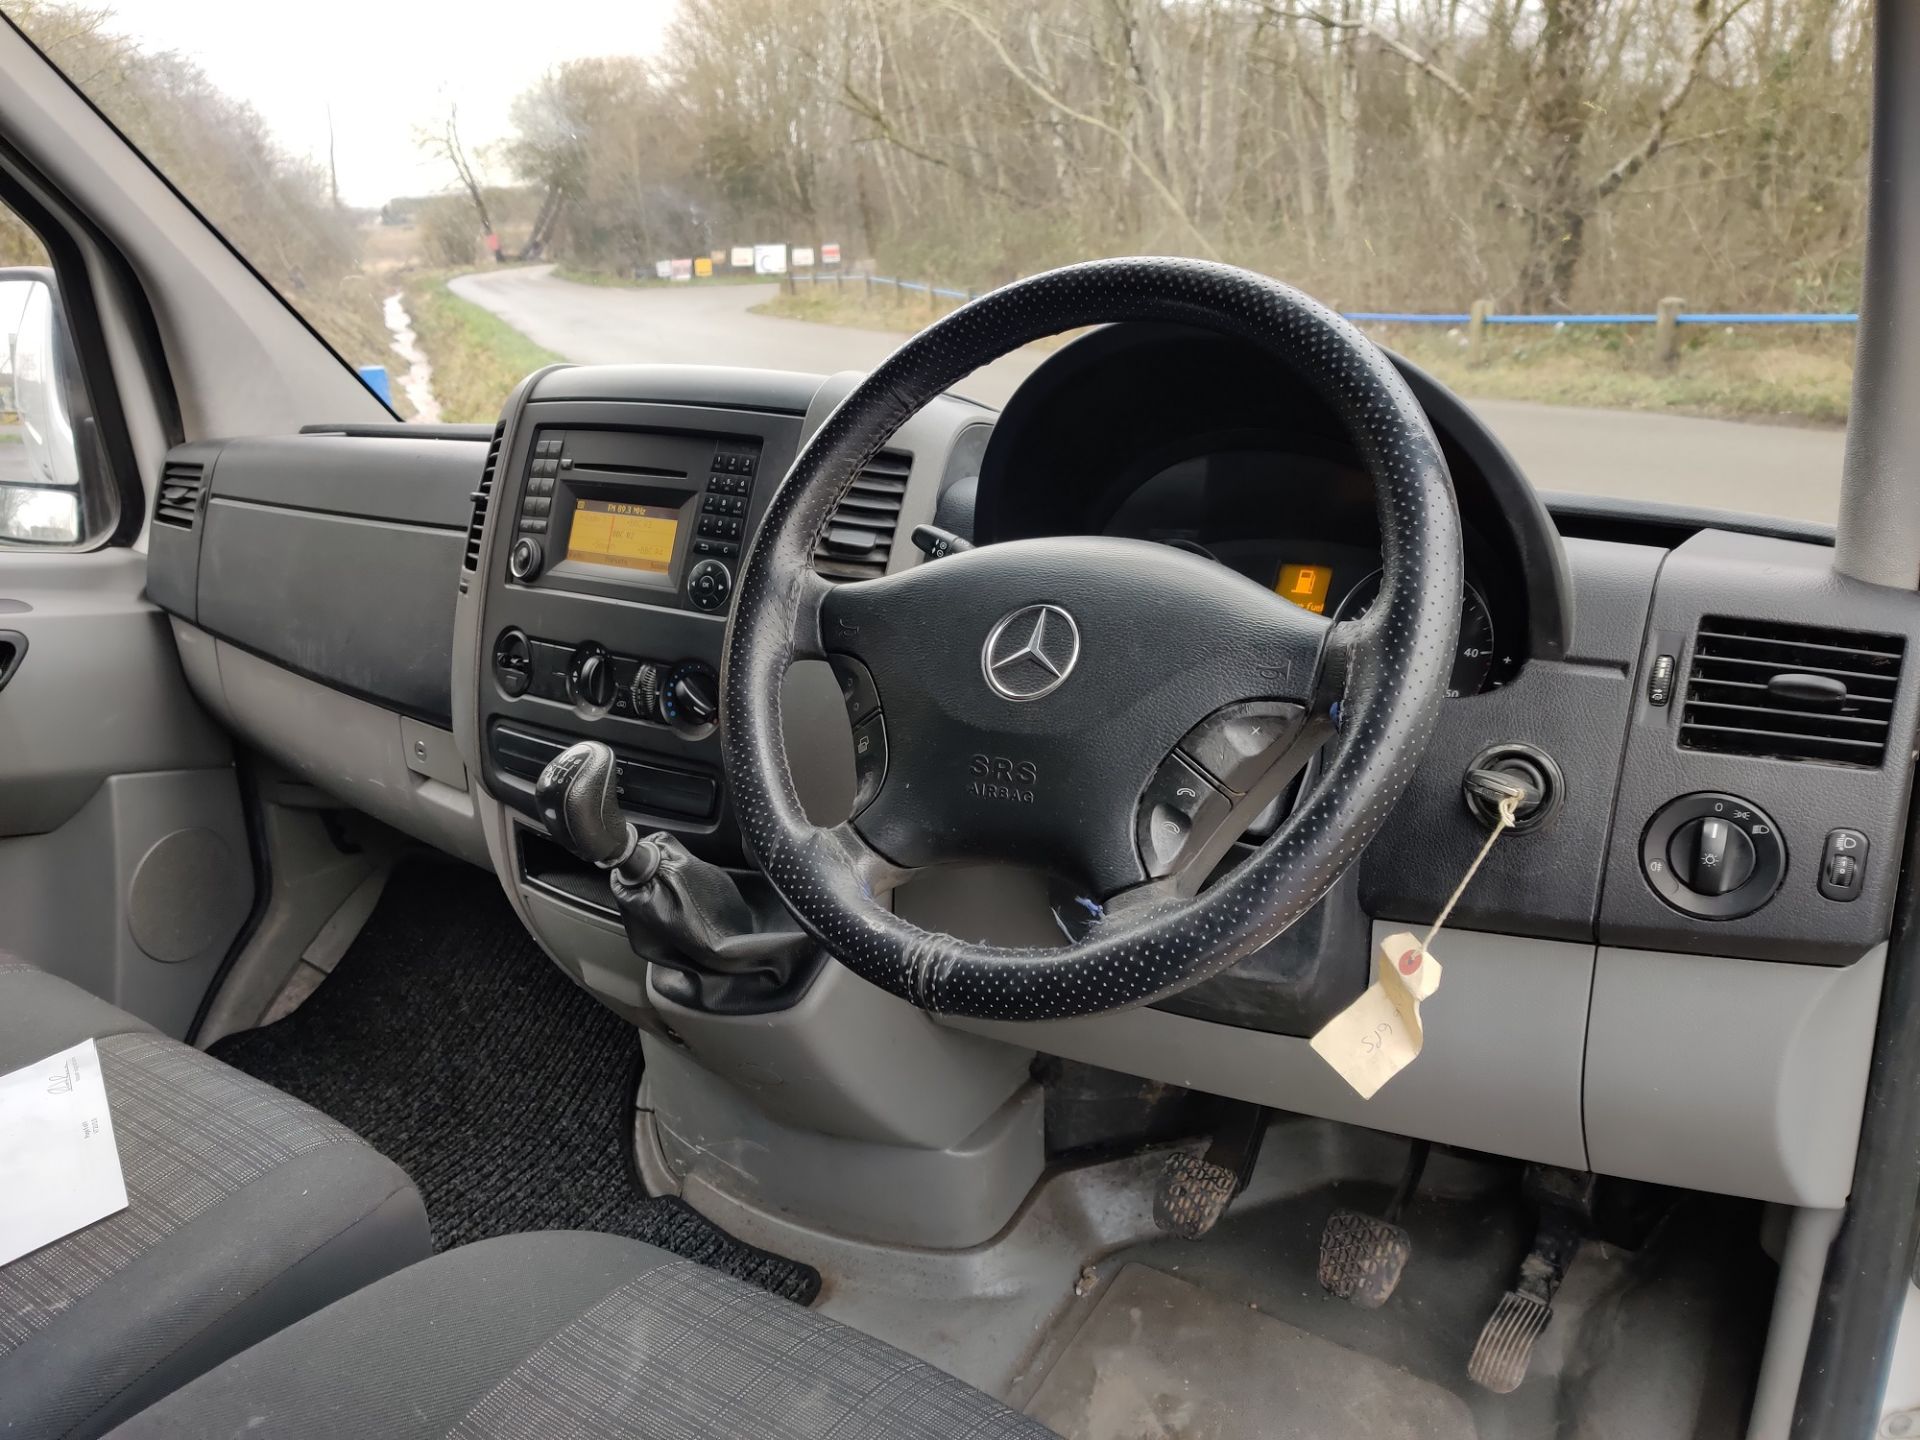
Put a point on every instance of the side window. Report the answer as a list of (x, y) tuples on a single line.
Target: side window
[(54, 488)]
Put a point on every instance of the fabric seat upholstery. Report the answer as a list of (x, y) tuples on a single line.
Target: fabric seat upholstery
[(587, 1336), (246, 1211)]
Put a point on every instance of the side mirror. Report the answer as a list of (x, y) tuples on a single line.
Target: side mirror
[(40, 470)]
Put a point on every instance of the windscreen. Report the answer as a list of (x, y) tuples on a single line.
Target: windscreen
[(1628, 234)]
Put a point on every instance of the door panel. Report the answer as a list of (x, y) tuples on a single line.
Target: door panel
[(123, 853)]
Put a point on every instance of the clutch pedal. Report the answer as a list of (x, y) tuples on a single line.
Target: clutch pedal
[(1195, 1190), (1363, 1256)]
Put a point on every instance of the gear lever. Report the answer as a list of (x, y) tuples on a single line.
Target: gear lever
[(681, 913), (578, 798)]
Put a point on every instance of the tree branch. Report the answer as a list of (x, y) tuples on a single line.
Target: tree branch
[(1019, 73), (1706, 30)]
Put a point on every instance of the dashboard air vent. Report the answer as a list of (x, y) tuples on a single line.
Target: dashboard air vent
[(180, 485), (858, 538), (1791, 692), (477, 527)]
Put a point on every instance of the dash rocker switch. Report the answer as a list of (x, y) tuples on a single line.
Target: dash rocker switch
[(1179, 801), (1843, 865)]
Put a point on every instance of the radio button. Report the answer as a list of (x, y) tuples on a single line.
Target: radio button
[(709, 584)]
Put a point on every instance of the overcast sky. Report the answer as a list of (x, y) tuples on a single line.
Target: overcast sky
[(387, 68)]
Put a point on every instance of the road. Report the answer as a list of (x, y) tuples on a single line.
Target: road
[(1774, 469)]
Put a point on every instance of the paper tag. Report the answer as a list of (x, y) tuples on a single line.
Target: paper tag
[(1379, 1035), (59, 1164)]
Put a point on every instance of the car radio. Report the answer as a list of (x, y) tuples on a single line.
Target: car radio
[(606, 511)]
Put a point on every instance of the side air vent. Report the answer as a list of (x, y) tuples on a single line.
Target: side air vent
[(1791, 692), (477, 527), (858, 539), (180, 485)]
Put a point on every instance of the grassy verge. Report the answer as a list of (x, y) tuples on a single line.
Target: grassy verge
[(898, 310), (1799, 376), (477, 357), (607, 280)]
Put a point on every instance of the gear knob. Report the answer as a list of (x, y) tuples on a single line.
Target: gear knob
[(579, 801)]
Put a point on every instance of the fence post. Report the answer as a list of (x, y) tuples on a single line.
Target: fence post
[(786, 283), (1477, 330), (1666, 331), (868, 280)]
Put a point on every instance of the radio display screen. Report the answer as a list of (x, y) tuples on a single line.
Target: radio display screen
[(615, 532)]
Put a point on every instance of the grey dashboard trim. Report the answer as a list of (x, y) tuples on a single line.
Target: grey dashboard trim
[(1501, 1070), (715, 387), (1730, 1076), (1754, 578), (364, 754), (1740, 1077)]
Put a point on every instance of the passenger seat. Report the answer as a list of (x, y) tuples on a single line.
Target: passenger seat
[(247, 1211)]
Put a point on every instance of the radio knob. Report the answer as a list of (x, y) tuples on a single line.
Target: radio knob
[(525, 558)]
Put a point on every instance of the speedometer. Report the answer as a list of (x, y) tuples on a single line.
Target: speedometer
[(1472, 662)]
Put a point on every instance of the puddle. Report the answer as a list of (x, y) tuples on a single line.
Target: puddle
[(416, 381)]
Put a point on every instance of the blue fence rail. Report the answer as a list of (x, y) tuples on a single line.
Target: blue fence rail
[(1410, 317)]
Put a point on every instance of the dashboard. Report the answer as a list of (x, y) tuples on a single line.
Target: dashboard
[(417, 619)]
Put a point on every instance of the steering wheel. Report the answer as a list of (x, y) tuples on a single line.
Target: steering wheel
[(1112, 711)]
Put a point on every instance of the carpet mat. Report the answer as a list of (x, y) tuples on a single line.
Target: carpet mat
[(451, 1044)]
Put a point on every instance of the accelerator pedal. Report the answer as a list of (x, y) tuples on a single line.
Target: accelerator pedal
[(1504, 1350), (1195, 1190), (1363, 1256)]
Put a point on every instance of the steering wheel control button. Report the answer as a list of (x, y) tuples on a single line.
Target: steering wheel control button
[(1714, 856), (1239, 744), (526, 556), (869, 760), (1179, 803), (709, 584), (1030, 652), (856, 686), (1843, 865), (1710, 856)]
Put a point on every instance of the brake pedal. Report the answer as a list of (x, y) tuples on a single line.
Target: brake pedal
[(1195, 1190), (1504, 1350), (1363, 1256)]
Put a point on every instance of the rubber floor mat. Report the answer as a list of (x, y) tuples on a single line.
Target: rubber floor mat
[(450, 1043)]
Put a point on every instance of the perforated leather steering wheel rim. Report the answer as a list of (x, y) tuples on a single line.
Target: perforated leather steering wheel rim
[(1384, 676)]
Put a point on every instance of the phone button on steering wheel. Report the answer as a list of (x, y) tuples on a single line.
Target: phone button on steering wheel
[(1179, 802)]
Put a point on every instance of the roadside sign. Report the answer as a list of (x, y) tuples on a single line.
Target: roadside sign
[(702, 267), (829, 254), (683, 269), (803, 257), (717, 257), (743, 257), (769, 259), (663, 269)]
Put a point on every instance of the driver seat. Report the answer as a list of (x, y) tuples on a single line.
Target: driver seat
[(567, 1333)]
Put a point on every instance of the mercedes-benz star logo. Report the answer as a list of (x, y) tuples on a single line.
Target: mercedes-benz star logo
[(1031, 652)]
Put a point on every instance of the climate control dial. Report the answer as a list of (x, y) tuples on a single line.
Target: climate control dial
[(590, 680), (690, 697)]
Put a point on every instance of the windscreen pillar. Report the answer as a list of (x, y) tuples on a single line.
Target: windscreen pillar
[(1880, 498)]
